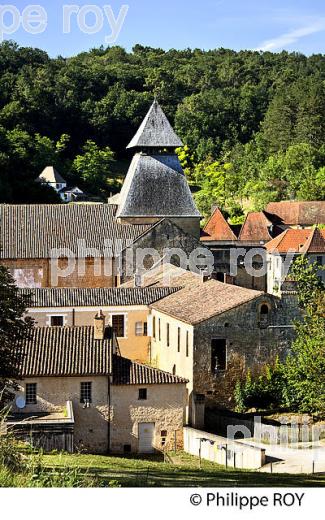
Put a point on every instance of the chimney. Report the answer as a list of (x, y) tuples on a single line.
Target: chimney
[(205, 276), (99, 325), (137, 280)]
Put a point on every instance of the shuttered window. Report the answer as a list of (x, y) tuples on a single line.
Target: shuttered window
[(118, 325)]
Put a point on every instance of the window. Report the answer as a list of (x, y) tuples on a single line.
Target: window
[(154, 327), (167, 334), (174, 370), (218, 355), (142, 394), (319, 260), (31, 393), (159, 329), (138, 328), (85, 392), (57, 321), (118, 325), (264, 315), (145, 328), (178, 339), (187, 343), (127, 448)]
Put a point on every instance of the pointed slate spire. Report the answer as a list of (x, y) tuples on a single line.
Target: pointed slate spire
[(155, 131)]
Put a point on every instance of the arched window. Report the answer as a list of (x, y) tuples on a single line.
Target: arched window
[(264, 315)]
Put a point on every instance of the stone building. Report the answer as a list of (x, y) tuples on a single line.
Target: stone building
[(126, 311), (282, 250), (211, 332), (87, 245), (75, 393)]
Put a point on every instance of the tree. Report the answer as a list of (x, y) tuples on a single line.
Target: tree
[(12, 326), (305, 367), (94, 166), (309, 285)]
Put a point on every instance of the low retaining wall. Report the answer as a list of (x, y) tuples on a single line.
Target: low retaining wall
[(221, 450), (260, 430)]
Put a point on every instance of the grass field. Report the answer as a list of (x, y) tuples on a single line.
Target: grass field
[(183, 471)]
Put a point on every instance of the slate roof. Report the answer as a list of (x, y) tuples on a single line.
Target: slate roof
[(294, 213), (217, 228), (298, 241), (127, 372), (156, 186), (31, 231), (255, 228), (155, 131), (198, 303), (63, 351), (73, 351), (95, 297), (50, 175)]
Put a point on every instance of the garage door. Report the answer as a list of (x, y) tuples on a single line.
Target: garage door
[(146, 437)]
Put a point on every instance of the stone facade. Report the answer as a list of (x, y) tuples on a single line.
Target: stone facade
[(164, 407), (250, 337), (112, 420)]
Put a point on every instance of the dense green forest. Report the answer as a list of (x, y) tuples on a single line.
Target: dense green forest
[(253, 123)]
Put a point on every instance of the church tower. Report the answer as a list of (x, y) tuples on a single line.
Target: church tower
[(155, 186)]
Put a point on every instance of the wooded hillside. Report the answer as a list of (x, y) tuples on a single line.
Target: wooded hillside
[(253, 123)]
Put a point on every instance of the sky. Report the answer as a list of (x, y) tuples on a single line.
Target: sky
[(63, 27)]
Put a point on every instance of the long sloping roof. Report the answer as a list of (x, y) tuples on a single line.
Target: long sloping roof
[(95, 297), (167, 275), (155, 131), (73, 351), (127, 372), (294, 213), (32, 231), (156, 186), (51, 175), (217, 228), (198, 303), (63, 351)]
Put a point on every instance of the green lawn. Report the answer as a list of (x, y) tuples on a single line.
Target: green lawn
[(183, 472)]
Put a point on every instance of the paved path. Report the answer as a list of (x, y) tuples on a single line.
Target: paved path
[(283, 459)]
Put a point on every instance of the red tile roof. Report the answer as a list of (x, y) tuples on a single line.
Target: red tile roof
[(295, 213), (218, 228), (298, 241), (255, 228)]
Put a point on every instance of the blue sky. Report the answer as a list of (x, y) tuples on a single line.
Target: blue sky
[(294, 25)]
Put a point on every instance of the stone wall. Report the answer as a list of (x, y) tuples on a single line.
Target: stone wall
[(164, 407), (91, 424), (250, 342)]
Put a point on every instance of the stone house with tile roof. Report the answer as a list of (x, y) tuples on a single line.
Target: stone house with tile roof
[(77, 393), (211, 332), (86, 245), (126, 311), (282, 250)]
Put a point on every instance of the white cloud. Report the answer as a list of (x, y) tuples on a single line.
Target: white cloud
[(292, 37)]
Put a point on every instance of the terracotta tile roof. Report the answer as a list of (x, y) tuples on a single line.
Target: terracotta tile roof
[(218, 228), (201, 302), (255, 228), (298, 241), (31, 231), (73, 351), (315, 243), (63, 351), (94, 297), (294, 213), (127, 372)]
